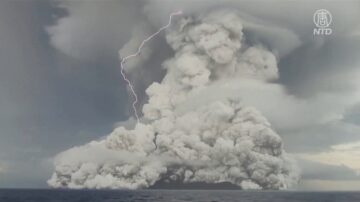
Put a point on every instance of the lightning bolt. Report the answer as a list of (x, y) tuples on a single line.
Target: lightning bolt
[(123, 60)]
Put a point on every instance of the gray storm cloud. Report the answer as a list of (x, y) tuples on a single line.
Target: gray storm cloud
[(219, 141)]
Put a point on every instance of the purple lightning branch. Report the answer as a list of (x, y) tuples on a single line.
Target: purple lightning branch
[(123, 60)]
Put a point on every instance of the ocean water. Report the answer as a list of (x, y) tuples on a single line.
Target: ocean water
[(18, 195)]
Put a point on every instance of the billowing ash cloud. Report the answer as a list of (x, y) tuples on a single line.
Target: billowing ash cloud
[(219, 141)]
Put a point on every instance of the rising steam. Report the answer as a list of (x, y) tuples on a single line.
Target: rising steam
[(216, 141)]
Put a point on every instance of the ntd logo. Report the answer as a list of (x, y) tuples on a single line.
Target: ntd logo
[(322, 19)]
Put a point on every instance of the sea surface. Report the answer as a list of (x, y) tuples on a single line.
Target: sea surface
[(22, 195)]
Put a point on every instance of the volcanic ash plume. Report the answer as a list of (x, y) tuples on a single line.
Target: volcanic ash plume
[(213, 142)]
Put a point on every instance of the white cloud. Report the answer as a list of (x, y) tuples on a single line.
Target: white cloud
[(219, 141), (276, 104), (347, 154), (185, 88)]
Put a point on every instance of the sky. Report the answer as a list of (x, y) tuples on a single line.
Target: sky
[(60, 82)]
